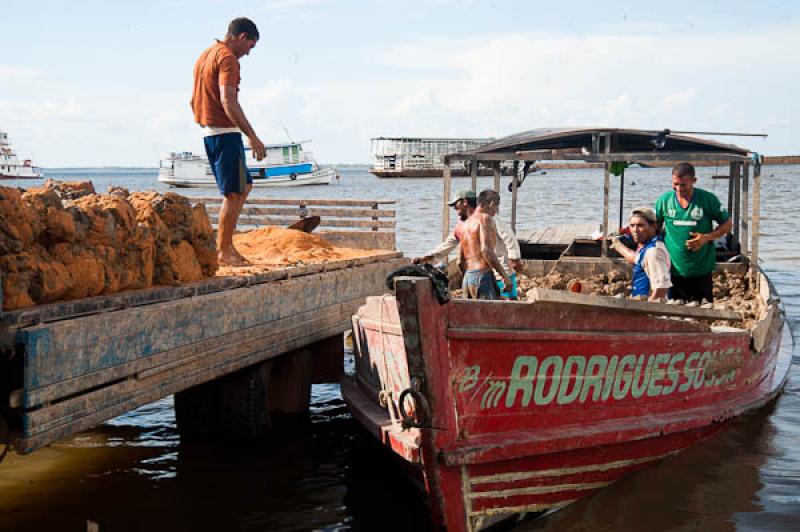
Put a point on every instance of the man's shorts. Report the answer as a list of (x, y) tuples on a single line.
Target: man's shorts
[(480, 284), (695, 288), (226, 157), (511, 294)]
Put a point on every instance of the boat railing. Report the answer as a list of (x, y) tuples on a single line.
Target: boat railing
[(351, 223)]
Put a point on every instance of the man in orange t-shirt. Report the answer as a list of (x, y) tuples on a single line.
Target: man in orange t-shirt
[(216, 108)]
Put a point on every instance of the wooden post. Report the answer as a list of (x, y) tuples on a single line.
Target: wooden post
[(756, 222), (606, 191), (745, 207), (514, 179), (473, 174), (736, 179), (496, 171), (445, 198), (729, 236), (606, 194), (621, 197)]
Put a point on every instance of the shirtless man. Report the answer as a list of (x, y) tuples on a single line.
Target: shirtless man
[(477, 257)]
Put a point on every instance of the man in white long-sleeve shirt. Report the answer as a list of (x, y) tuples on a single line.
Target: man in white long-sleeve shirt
[(507, 248), (508, 253)]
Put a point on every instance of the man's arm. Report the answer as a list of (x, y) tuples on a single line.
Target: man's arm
[(488, 234), (657, 265), (627, 253), (230, 103), (440, 251), (512, 244), (699, 240)]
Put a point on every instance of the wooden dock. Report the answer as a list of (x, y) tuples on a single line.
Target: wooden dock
[(69, 366)]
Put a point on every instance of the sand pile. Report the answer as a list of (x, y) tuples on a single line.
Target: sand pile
[(272, 247), (63, 241)]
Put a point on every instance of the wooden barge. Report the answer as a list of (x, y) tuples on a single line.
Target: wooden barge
[(501, 409), (247, 344)]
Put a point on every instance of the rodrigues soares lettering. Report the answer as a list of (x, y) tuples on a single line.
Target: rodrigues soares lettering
[(566, 379)]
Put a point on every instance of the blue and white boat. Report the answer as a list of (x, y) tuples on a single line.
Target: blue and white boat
[(285, 165)]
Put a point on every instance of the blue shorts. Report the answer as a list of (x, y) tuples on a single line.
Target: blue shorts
[(511, 294), (226, 157), (480, 284)]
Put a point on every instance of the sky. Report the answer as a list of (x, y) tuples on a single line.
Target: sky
[(107, 83)]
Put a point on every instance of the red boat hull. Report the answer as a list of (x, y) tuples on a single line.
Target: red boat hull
[(527, 407)]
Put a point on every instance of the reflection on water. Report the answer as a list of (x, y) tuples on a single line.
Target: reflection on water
[(134, 474)]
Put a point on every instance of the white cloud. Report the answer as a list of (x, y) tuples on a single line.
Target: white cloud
[(486, 86)]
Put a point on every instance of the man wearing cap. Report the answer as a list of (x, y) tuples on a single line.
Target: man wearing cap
[(507, 248), (687, 213), (464, 202), (651, 263)]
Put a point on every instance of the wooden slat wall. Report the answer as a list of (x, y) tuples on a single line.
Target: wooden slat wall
[(334, 213)]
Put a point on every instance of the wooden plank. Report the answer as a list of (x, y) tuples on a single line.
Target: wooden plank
[(277, 201), (560, 234), (341, 213), (271, 340), (147, 395), (148, 296), (90, 350), (324, 222), (546, 295)]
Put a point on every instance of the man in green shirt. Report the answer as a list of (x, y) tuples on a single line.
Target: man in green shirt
[(687, 214)]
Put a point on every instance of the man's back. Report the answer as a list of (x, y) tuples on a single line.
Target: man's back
[(216, 66), (475, 229)]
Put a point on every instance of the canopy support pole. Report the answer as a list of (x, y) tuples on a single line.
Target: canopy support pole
[(756, 221), (737, 183), (496, 172), (621, 196), (744, 222), (514, 179), (606, 191), (445, 199), (473, 174)]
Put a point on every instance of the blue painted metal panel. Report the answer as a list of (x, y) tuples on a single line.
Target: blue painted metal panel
[(276, 171)]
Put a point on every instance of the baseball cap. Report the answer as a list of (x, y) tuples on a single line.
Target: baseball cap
[(645, 212), (462, 194)]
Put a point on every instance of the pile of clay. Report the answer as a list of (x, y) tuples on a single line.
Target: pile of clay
[(273, 247), (64, 241), (732, 290)]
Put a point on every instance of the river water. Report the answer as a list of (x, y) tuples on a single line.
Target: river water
[(133, 473)]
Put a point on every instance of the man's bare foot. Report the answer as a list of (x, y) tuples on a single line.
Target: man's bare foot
[(232, 260), (239, 256)]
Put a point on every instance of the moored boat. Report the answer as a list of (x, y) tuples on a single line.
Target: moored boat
[(285, 165), (509, 408), (10, 165)]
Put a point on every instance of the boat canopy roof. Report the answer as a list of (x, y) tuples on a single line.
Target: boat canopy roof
[(602, 144)]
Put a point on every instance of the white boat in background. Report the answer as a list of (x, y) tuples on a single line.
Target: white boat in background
[(285, 165), (10, 166)]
